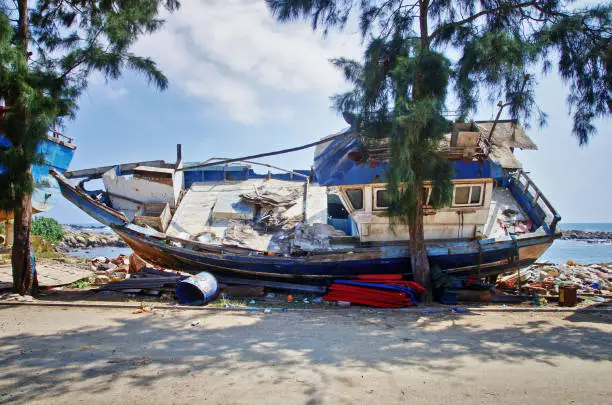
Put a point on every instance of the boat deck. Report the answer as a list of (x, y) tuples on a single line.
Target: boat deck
[(216, 213), (505, 214)]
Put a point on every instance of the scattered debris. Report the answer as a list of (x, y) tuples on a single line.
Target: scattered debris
[(101, 279), (16, 297), (144, 308), (244, 291), (547, 280)]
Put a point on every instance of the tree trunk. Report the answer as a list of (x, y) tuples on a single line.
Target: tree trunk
[(22, 24), (24, 279), (418, 254)]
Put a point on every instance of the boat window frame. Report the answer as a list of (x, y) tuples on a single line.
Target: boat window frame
[(427, 195), (375, 190), (346, 190), (469, 199), (375, 205)]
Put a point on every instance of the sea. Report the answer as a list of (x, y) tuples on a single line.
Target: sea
[(104, 251), (560, 252), (581, 251)]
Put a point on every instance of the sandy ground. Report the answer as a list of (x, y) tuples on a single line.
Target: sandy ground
[(51, 272), (114, 356)]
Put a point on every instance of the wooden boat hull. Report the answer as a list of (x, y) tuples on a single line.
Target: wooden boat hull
[(479, 257), (455, 258), (57, 155)]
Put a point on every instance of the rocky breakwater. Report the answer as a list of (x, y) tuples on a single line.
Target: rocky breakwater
[(83, 240), (592, 237)]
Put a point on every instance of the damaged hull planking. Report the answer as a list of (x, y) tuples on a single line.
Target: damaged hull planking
[(457, 258)]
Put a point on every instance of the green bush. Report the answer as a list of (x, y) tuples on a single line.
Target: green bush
[(48, 229)]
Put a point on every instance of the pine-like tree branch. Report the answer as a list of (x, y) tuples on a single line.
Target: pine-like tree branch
[(478, 15)]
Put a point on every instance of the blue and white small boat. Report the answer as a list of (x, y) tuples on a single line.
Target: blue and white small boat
[(329, 222), (57, 151)]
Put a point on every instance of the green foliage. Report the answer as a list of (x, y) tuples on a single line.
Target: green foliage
[(400, 88), (70, 41), (47, 228), (402, 100), (81, 284), (499, 42)]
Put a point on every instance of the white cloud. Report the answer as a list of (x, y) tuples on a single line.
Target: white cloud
[(114, 93), (232, 56)]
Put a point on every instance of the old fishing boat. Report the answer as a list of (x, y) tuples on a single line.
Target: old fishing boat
[(57, 151), (328, 222)]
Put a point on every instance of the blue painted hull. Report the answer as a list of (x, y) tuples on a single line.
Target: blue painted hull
[(482, 257), (90, 206), (57, 155), (465, 258)]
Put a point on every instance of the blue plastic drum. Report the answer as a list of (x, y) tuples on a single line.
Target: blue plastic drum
[(197, 290)]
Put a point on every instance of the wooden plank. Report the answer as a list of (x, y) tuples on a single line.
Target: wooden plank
[(97, 172), (274, 284)]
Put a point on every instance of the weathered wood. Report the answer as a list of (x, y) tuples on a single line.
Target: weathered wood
[(274, 284), (244, 291), (147, 282), (97, 172), (154, 216)]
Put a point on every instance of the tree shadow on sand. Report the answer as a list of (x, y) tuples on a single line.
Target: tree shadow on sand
[(166, 344)]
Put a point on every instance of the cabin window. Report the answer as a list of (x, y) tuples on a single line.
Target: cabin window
[(475, 194), (382, 200), (462, 195), (468, 195), (335, 209), (355, 196)]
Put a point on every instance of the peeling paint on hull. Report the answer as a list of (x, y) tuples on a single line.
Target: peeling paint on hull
[(382, 260)]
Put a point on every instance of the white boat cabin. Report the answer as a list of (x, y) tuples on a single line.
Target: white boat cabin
[(464, 219)]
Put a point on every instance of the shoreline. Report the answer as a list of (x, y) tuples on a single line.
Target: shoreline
[(79, 240), (587, 236)]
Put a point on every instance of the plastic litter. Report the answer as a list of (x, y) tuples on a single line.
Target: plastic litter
[(548, 280)]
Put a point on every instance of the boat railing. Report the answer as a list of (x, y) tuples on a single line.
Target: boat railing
[(291, 172), (59, 135), (462, 151), (536, 199)]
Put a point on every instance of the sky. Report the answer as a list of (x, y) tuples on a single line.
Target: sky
[(241, 83)]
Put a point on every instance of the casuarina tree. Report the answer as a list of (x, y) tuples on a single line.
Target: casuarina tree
[(418, 51), (48, 51)]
